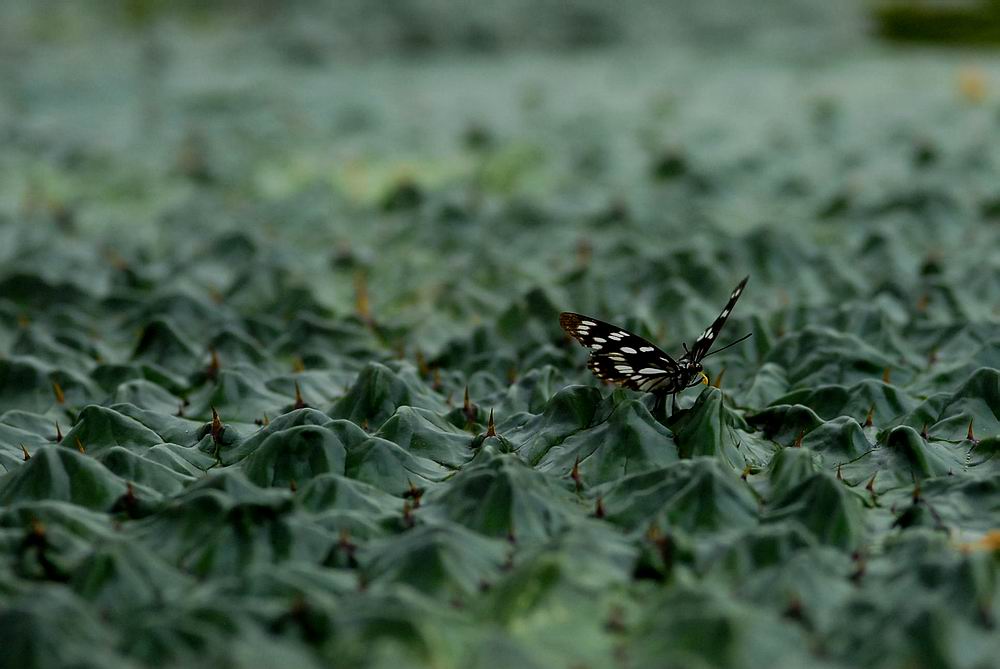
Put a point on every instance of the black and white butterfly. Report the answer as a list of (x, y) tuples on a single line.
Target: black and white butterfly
[(627, 359)]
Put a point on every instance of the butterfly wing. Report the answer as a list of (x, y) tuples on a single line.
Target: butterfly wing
[(619, 356), (708, 337)]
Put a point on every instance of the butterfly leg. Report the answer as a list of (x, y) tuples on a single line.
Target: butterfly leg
[(659, 405), (673, 403)]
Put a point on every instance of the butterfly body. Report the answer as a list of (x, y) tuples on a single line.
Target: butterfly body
[(627, 359)]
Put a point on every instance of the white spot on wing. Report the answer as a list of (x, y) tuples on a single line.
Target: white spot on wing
[(595, 347), (647, 349), (588, 323), (651, 370), (724, 313), (600, 340), (629, 350)]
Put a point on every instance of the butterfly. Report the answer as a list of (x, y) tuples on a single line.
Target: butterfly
[(627, 359)]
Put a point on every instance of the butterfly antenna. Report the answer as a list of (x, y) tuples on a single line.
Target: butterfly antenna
[(686, 351), (720, 350)]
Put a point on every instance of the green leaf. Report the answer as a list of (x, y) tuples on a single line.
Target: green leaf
[(57, 473), (294, 456)]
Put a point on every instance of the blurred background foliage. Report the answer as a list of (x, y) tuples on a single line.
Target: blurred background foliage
[(281, 377)]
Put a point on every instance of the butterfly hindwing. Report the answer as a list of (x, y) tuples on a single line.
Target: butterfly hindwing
[(619, 356), (711, 333)]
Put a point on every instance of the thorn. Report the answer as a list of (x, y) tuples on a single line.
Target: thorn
[(798, 440), (839, 476), (871, 483), (491, 428), (298, 365), (599, 508), (58, 391), (615, 624), (414, 493), (293, 486), (746, 472), (972, 84), (180, 410), (407, 514), (217, 427), (436, 383), (868, 418), (27, 456), (212, 371), (922, 303), (575, 474), (467, 408), (345, 540), (362, 305), (718, 379), (794, 610), (79, 446), (265, 421), (584, 252), (859, 569), (916, 492), (511, 375), (923, 431), (887, 375), (970, 435), (59, 434), (653, 533), (299, 402), (422, 365), (364, 425)]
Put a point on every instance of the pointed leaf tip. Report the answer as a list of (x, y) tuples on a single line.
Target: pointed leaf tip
[(870, 416), (491, 428), (212, 371), (217, 427), (58, 392), (299, 402), (79, 446), (599, 508), (362, 305), (59, 434), (970, 435)]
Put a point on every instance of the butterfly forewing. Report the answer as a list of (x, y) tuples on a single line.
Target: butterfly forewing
[(619, 356), (711, 333)]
